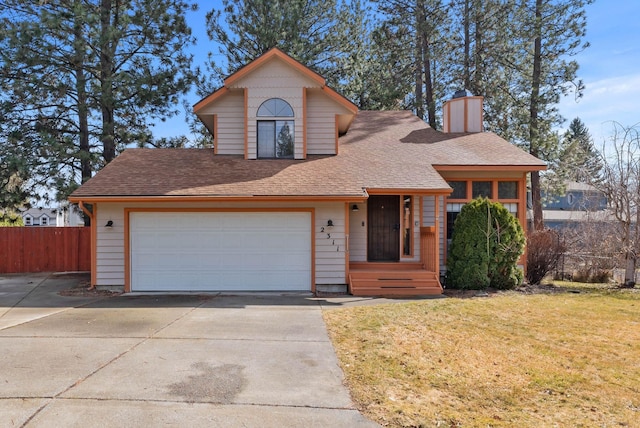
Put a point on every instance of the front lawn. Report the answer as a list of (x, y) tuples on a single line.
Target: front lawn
[(511, 359)]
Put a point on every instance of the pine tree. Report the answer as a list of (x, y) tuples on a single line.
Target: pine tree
[(87, 77), (371, 74), (310, 31), (422, 27), (548, 33), (583, 160), (482, 56)]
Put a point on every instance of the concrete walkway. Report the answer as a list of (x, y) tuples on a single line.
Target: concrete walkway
[(171, 360)]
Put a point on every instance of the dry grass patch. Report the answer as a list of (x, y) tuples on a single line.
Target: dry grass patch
[(508, 360)]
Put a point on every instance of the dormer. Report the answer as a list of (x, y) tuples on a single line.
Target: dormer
[(273, 108)]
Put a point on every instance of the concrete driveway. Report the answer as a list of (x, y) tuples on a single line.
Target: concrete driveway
[(171, 360)]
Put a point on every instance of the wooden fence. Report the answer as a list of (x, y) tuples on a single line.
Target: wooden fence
[(45, 249)]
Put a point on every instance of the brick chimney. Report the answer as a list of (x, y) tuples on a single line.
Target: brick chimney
[(463, 113)]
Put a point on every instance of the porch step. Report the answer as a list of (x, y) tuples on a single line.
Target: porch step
[(394, 282)]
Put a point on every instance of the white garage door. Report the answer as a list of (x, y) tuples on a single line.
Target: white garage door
[(220, 251)]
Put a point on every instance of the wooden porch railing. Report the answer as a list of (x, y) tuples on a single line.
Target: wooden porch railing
[(429, 248)]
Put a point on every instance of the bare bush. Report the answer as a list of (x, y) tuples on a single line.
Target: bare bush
[(544, 249), (591, 251)]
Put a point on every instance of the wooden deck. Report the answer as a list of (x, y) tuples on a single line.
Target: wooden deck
[(392, 279)]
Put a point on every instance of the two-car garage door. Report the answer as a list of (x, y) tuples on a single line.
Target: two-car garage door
[(220, 251)]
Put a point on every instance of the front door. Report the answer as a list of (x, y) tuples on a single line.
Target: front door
[(383, 214)]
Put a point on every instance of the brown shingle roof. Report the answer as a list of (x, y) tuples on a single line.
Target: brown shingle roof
[(383, 150), (380, 128)]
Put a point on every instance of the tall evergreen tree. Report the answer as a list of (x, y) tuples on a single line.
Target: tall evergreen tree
[(88, 77), (340, 41), (583, 160), (371, 73), (483, 54), (311, 31), (422, 26), (550, 33)]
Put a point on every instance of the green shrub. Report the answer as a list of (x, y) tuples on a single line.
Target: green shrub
[(486, 244)]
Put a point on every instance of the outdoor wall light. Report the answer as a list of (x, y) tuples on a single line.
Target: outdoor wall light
[(109, 224), (330, 223), (355, 208)]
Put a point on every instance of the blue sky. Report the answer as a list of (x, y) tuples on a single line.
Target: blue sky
[(609, 68)]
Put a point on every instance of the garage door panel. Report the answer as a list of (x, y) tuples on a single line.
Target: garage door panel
[(214, 251)]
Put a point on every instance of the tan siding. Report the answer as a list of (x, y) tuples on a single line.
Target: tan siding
[(428, 210), (110, 246), (358, 234), (230, 111), (329, 253), (321, 122), (275, 79), (416, 231), (474, 115)]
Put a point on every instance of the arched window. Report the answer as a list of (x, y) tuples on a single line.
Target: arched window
[(275, 137), (275, 107)]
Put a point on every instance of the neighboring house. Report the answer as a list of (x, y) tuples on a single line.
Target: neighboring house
[(39, 217), (580, 203), (52, 217), (301, 192)]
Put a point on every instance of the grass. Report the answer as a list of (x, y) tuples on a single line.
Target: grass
[(513, 359)]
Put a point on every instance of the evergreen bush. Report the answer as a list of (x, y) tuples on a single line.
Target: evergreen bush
[(486, 244)]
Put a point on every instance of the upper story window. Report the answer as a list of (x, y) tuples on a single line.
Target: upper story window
[(44, 221), (28, 221), (275, 107), (275, 137)]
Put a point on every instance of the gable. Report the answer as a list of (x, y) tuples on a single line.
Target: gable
[(320, 114), (274, 74)]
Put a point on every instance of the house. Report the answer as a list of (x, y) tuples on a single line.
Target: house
[(51, 217), (301, 192), (39, 217), (580, 203)]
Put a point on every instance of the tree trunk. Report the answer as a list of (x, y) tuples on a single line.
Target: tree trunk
[(467, 45), (534, 132), (420, 21), (106, 81), (428, 80), (84, 153), (478, 62)]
